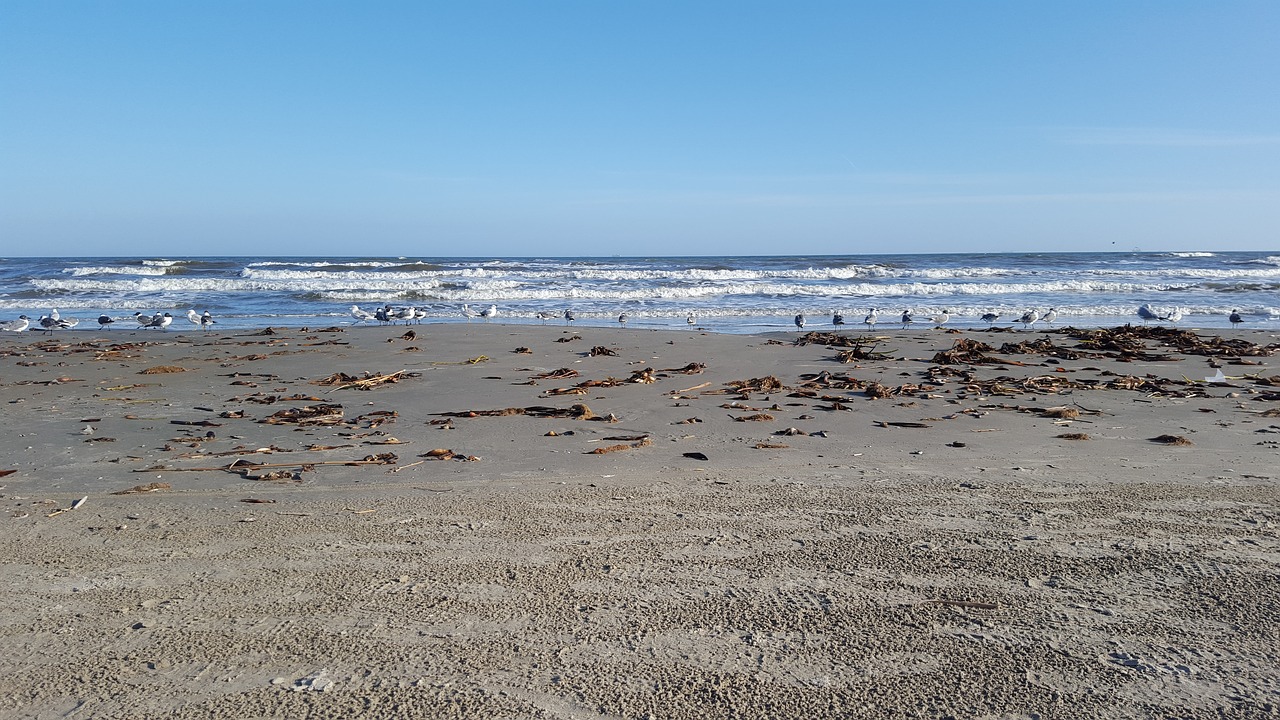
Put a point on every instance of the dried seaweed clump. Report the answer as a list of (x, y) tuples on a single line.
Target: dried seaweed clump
[(1073, 436), (1171, 440), (162, 370)]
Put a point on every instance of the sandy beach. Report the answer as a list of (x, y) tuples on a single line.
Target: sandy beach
[(512, 521)]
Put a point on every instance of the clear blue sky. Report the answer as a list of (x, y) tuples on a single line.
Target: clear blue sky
[(637, 128)]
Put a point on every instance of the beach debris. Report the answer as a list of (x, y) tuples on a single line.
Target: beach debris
[(876, 391), (522, 350), (687, 421), (1171, 440), (260, 501), (570, 338), (445, 454), (692, 368), (599, 350), (196, 423), (561, 374), (697, 456), (646, 442), (1073, 436), (100, 440), (757, 417), (139, 489), (577, 411), (769, 446), (77, 504), (790, 431), (7, 473), (1061, 412), (162, 369), (1129, 339), (368, 381), (888, 423), (956, 444), (409, 335), (306, 415), (626, 438)]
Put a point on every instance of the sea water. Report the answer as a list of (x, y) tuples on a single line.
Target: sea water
[(724, 294)]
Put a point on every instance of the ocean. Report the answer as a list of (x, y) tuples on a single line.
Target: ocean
[(725, 294)]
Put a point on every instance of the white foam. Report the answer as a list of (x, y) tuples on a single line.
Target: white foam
[(118, 270)]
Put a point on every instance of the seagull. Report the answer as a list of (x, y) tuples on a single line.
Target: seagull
[(940, 319), (88, 430), (360, 315), (143, 320), (991, 318), (193, 317), (419, 314), (1050, 316), (871, 319), (800, 320), (1174, 316), (622, 319), (467, 312), (105, 321), (49, 324), (54, 315), (837, 319), (19, 325), (405, 314), (690, 320), (568, 316), (1147, 314), (161, 321), (906, 319), (544, 316), (489, 312), (1029, 318), (1235, 318), (382, 314), (206, 320)]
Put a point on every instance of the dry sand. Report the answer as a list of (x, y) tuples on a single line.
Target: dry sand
[(979, 567)]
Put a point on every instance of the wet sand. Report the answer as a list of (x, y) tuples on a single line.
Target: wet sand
[(941, 551)]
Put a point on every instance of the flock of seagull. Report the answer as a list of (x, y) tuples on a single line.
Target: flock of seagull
[(388, 315), (55, 321)]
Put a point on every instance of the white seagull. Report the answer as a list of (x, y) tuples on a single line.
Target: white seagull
[(206, 320), (1174, 316), (1147, 314), (940, 319), (467, 312), (544, 316), (19, 325), (690, 320), (1029, 318), (360, 315), (162, 321), (622, 319), (489, 312), (193, 318), (143, 320), (871, 319), (799, 320), (1050, 316)]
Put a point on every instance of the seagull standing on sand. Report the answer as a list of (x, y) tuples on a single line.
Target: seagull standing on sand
[(622, 319), (19, 325), (104, 321), (690, 320), (1174, 316), (206, 320), (489, 312), (837, 319), (991, 318), (144, 321), (162, 321), (1235, 318), (544, 316), (1029, 318), (192, 317), (1147, 314), (405, 314), (871, 319), (800, 320), (360, 315), (467, 312), (568, 316), (940, 319), (419, 314), (1050, 316), (907, 319)]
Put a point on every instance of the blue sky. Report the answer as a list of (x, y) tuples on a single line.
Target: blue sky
[(642, 128)]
